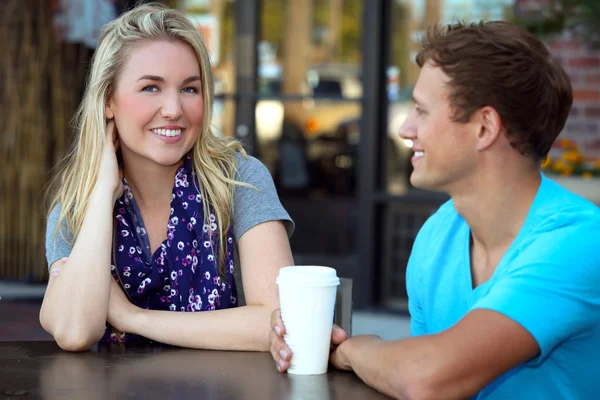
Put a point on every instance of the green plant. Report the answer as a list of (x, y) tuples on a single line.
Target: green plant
[(587, 21), (581, 16)]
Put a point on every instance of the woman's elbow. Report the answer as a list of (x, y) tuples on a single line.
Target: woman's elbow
[(68, 338), (77, 341)]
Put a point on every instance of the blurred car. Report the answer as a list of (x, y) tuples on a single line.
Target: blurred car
[(334, 96)]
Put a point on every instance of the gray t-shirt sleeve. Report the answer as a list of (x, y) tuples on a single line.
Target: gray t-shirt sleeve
[(255, 206), (251, 207), (56, 246)]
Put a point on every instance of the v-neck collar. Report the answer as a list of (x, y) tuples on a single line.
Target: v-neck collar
[(476, 292)]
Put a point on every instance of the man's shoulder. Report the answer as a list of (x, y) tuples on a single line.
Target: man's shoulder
[(563, 232), (562, 212)]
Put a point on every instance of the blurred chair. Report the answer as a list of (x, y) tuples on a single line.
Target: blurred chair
[(343, 305)]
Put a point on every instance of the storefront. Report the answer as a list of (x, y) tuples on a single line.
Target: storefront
[(317, 89)]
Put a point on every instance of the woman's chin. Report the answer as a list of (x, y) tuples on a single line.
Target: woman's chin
[(169, 161)]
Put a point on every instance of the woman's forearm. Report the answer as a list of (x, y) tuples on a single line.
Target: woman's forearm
[(76, 301), (242, 328)]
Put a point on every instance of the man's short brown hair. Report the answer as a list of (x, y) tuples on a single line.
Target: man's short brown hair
[(500, 65)]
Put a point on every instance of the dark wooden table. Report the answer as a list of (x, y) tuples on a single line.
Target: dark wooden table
[(41, 370)]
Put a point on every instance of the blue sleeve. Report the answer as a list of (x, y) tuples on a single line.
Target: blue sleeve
[(552, 287), (414, 288)]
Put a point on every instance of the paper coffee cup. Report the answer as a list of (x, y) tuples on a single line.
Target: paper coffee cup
[(307, 300)]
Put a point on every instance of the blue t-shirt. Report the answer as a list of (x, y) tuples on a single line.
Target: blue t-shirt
[(548, 281)]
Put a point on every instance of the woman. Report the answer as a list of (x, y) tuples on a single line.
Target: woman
[(148, 194)]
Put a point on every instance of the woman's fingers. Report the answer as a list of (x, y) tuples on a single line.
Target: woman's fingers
[(279, 350), (276, 319), (279, 347)]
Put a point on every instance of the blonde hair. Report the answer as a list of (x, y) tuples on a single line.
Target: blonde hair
[(214, 158)]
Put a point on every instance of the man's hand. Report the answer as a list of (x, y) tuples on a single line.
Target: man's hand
[(340, 357), (281, 352)]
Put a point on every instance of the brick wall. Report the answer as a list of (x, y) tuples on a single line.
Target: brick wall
[(582, 63)]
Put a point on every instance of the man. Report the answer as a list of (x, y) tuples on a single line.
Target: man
[(504, 280)]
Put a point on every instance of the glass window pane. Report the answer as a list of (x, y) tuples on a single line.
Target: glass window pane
[(308, 118), (223, 119), (310, 148), (303, 43), (214, 19)]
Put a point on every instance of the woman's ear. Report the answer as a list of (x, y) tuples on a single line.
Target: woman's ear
[(108, 111)]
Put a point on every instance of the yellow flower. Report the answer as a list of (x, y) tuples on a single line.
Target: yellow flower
[(547, 162), (572, 156), (587, 175), (568, 171), (567, 144), (560, 165)]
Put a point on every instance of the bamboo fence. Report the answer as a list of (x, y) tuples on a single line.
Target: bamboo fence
[(41, 81)]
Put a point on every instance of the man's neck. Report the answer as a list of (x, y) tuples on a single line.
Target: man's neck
[(496, 207)]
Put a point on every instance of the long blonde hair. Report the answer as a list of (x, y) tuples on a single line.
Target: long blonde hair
[(214, 158)]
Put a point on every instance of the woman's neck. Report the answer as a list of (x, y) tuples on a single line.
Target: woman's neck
[(151, 184)]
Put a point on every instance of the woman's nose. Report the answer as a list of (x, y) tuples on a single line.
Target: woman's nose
[(171, 107)]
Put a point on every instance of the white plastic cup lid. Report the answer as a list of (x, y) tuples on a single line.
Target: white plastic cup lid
[(309, 275)]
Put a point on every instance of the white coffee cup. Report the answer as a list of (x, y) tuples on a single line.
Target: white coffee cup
[(307, 300)]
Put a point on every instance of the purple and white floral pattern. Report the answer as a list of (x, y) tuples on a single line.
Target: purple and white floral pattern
[(179, 275)]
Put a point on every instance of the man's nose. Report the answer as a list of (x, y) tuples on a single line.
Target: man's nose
[(408, 129)]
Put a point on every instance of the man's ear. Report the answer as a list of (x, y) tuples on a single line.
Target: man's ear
[(491, 127)]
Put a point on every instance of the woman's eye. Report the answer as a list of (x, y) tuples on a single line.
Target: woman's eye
[(189, 90), (151, 88)]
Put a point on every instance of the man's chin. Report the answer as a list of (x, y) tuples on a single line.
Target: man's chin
[(420, 182)]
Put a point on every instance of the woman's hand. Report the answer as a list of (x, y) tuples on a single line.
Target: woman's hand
[(121, 312), (109, 174), (281, 352)]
